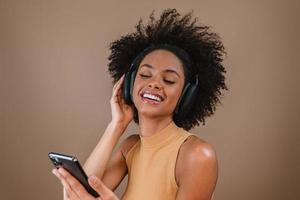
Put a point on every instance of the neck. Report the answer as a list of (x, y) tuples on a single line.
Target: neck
[(150, 126)]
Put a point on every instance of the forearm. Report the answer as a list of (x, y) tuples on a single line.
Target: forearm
[(98, 159)]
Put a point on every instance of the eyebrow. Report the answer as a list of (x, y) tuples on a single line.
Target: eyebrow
[(167, 70)]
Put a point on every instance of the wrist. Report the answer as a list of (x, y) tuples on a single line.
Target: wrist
[(117, 126)]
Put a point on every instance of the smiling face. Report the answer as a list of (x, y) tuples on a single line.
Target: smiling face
[(158, 84)]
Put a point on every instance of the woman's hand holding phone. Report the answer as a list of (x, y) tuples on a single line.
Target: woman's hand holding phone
[(73, 190), (122, 113)]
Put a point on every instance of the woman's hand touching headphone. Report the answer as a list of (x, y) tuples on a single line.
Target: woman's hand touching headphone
[(122, 113)]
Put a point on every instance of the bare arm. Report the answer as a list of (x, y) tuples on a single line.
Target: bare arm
[(122, 114), (98, 159), (116, 169), (197, 171)]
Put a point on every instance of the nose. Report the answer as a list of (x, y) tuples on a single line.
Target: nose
[(154, 84)]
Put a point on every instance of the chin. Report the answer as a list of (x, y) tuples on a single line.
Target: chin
[(149, 112), (153, 113)]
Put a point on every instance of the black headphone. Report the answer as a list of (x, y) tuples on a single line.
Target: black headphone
[(187, 98)]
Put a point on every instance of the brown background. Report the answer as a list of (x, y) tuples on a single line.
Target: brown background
[(55, 91)]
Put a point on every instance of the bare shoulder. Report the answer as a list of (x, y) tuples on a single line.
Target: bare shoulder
[(195, 154), (195, 146), (128, 143)]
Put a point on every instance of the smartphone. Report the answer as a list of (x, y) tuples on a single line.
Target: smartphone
[(72, 165)]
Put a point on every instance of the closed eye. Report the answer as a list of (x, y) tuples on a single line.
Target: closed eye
[(165, 80), (169, 82), (144, 76)]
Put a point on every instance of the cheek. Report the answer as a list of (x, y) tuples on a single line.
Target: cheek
[(177, 95), (174, 96)]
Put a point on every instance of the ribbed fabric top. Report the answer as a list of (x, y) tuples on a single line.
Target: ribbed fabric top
[(161, 138), (151, 165)]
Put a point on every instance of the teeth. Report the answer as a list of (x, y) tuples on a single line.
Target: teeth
[(150, 96)]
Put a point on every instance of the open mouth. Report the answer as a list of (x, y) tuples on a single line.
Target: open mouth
[(151, 98)]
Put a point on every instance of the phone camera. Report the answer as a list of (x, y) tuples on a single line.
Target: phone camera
[(57, 162)]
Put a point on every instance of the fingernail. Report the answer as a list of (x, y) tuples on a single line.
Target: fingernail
[(60, 170), (53, 171), (93, 179)]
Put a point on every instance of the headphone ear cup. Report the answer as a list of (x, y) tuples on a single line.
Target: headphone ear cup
[(186, 100), (132, 79), (126, 88), (128, 85), (181, 99)]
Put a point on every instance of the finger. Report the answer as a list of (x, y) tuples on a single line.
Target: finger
[(76, 186), (118, 85), (66, 195), (101, 188), (119, 82), (68, 190), (117, 96)]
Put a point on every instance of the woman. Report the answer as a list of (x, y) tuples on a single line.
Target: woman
[(173, 83)]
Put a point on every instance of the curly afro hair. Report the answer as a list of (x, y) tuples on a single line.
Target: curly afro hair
[(204, 48)]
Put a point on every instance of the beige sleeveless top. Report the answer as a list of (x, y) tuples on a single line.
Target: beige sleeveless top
[(151, 165)]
